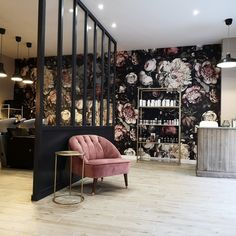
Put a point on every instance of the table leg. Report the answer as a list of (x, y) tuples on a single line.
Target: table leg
[(70, 172), (55, 176), (82, 182)]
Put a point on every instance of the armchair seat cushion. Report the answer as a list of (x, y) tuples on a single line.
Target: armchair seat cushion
[(106, 167)]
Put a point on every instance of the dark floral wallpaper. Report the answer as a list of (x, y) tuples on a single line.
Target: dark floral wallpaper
[(25, 94), (189, 68), (193, 69)]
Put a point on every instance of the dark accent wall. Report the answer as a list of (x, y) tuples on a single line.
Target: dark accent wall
[(191, 68)]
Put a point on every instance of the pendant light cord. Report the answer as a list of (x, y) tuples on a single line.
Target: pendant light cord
[(1, 49), (228, 44), (17, 50)]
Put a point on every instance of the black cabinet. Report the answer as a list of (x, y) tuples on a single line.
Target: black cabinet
[(20, 152)]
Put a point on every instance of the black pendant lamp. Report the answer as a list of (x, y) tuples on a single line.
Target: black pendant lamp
[(2, 71), (28, 80), (16, 76), (228, 61)]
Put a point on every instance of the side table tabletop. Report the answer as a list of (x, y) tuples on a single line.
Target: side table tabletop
[(69, 154)]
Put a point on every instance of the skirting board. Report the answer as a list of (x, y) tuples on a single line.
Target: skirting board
[(183, 161), (215, 174)]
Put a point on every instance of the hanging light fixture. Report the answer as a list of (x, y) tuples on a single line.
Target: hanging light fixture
[(16, 76), (228, 61), (28, 80), (2, 71)]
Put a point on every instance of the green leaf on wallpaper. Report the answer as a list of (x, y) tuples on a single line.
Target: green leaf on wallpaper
[(205, 86), (124, 124)]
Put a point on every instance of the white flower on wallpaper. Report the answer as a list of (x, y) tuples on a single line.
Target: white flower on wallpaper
[(131, 78), (209, 115), (129, 152), (174, 75), (79, 104), (65, 115), (122, 89), (78, 117), (145, 79), (150, 65), (207, 72), (174, 151)]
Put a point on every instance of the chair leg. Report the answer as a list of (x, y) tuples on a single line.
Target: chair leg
[(126, 180), (95, 180)]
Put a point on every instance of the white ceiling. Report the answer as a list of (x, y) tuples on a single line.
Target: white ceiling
[(141, 24)]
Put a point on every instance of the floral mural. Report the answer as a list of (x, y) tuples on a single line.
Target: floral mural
[(190, 69), (25, 94)]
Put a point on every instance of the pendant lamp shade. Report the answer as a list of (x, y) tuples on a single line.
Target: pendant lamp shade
[(16, 76), (28, 80), (2, 71), (228, 61)]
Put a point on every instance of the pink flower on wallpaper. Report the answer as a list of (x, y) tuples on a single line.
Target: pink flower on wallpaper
[(128, 113), (52, 97), (174, 75), (209, 73), (193, 94), (169, 130), (121, 57), (171, 51), (120, 131)]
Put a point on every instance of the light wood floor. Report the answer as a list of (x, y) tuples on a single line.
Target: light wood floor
[(162, 199)]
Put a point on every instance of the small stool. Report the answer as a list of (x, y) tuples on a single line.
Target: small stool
[(68, 154)]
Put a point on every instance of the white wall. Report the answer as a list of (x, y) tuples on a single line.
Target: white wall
[(6, 84), (228, 89)]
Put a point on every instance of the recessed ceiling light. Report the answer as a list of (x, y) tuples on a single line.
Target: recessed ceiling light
[(113, 25), (71, 10), (100, 6), (195, 12)]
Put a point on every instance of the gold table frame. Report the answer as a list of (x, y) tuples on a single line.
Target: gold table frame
[(68, 154)]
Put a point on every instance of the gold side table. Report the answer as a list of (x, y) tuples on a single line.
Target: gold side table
[(69, 154)]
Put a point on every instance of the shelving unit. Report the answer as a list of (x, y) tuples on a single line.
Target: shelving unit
[(159, 122)]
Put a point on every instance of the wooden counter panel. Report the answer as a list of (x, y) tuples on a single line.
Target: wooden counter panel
[(216, 152)]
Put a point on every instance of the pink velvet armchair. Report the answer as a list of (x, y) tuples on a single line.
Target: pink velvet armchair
[(101, 158)]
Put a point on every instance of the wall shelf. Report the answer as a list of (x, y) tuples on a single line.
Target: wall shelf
[(157, 124)]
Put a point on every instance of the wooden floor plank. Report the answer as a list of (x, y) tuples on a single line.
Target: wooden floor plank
[(162, 199)]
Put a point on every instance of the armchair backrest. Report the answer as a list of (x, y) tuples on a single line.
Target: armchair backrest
[(94, 147)]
